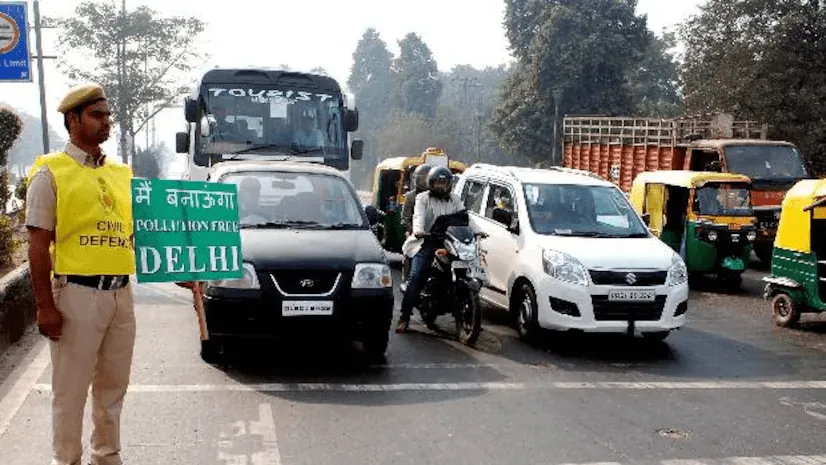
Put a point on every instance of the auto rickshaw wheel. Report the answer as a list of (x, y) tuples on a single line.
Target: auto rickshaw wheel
[(785, 310)]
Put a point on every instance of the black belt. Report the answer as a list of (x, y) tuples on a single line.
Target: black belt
[(101, 282)]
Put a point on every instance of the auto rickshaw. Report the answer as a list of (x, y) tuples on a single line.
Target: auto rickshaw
[(797, 282), (707, 217), (392, 179)]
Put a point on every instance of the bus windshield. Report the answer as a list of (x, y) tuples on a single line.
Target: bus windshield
[(266, 120), (723, 199), (765, 162)]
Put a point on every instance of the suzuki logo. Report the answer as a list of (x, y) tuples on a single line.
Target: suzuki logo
[(631, 278), (307, 283)]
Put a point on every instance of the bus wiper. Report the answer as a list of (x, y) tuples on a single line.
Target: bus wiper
[(305, 151), (257, 147)]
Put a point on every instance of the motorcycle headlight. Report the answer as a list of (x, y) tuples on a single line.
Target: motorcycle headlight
[(564, 267), (249, 280), (677, 273), (465, 252), (372, 276), (751, 236)]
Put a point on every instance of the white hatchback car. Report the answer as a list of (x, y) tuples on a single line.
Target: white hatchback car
[(567, 251)]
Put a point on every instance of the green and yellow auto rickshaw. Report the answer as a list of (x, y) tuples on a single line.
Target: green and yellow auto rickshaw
[(392, 179), (797, 283), (707, 217)]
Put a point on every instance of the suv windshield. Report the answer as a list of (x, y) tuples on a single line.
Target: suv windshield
[(577, 210), (765, 162), (254, 118), (284, 199), (724, 199)]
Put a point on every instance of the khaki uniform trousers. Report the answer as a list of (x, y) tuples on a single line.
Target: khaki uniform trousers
[(95, 349)]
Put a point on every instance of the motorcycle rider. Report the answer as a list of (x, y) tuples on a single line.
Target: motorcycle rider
[(437, 201), (419, 178)]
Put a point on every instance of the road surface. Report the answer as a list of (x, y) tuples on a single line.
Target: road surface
[(728, 386)]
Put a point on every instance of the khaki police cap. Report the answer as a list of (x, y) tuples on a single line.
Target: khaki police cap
[(79, 95)]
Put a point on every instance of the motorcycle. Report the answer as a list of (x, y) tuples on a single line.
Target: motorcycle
[(454, 277)]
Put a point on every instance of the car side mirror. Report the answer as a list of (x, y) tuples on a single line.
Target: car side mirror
[(182, 142), (372, 214), (503, 216), (357, 149), (191, 110), (351, 120)]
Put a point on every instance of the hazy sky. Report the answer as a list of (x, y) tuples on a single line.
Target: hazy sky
[(316, 33)]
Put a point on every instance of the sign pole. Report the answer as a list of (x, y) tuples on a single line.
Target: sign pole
[(44, 123)]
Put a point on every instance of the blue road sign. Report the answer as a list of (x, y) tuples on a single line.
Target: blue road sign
[(15, 56)]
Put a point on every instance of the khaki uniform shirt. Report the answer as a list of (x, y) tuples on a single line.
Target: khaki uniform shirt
[(41, 197)]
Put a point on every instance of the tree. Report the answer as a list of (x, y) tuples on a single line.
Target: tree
[(585, 48), (10, 127), (416, 77), (764, 60), (655, 80), (149, 163), (30, 144), (370, 81), (137, 56)]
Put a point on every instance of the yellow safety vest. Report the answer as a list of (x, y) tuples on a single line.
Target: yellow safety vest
[(93, 235)]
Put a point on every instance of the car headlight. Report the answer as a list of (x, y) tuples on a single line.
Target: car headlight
[(712, 235), (751, 236), (564, 267), (372, 276), (465, 252), (248, 281), (677, 273)]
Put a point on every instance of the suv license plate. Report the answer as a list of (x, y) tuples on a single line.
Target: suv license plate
[(306, 308), (630, 295)]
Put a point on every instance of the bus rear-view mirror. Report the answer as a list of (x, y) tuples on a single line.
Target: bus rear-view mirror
[(351, 120), (191, 110), (182, 142), (357, 149)]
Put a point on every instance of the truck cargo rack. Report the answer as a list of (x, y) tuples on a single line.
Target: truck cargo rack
[(660, 132)]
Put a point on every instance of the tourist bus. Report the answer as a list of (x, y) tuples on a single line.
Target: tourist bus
[(267, 114)]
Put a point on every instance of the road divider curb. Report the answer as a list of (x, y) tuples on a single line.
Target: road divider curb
[(17, 312)]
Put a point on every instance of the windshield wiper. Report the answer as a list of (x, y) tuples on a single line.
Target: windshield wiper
[(279, 224), (257, 147), (343, 226)]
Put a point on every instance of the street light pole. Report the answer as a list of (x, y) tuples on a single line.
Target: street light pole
[(44, 122), (557, 94)]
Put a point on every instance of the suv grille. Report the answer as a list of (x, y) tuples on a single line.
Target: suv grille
[(605, 310), (622, 278), (305, 282)]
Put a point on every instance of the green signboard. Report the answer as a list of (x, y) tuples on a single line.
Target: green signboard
[(186, 230)]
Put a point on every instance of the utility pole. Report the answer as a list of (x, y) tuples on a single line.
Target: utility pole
[(557, 94), (44, 118)]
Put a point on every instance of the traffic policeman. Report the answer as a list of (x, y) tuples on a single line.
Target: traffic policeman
[(79, 217)]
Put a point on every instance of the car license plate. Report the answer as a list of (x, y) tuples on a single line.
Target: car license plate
[(306, 308), (457, 265), (632, 295)]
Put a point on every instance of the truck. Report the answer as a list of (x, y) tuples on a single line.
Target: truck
[(619, 148), (267, 114)]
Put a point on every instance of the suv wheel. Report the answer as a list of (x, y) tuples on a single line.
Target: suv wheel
[(210, 351), (375, 342), (525, 311)]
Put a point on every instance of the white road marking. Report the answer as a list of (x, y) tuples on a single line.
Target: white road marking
[(264, 427), (491, 386), (769, 460), (16, 397)]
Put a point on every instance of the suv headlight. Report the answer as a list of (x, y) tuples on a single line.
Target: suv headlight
[(372, 276), (248, 281), (677, 273), (564, 267)]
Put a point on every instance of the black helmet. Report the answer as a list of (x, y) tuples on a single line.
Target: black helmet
[(419, 176), (439, 181)]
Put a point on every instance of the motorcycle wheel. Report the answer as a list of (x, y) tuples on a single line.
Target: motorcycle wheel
[(469, 317)]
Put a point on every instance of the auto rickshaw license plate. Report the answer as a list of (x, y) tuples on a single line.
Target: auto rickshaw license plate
[(633, 295)]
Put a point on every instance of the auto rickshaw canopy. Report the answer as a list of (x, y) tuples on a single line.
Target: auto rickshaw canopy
[(804, 202), (433, 156), (679, 178)]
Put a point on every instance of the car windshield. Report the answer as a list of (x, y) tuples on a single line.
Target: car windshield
[(723, 199), (302, 200), (577, 210)]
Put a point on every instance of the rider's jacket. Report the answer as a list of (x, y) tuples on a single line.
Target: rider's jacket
[(427, 209)]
